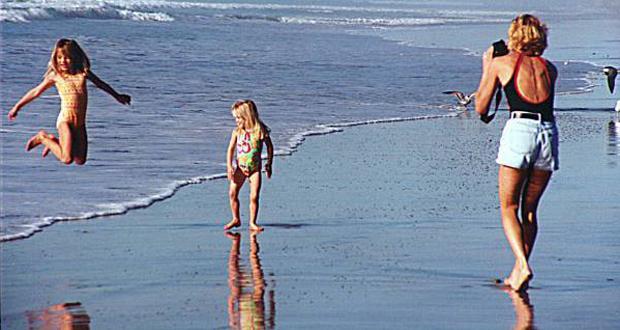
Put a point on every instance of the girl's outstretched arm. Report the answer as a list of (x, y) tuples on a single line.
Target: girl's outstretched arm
[(121, 98), (47, 82), (269, 156), (230, 171)]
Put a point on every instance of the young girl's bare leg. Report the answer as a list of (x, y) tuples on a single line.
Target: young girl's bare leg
[(510, 183), (80, 145), (61, 148), (47, 150), (255, 185), (233, 193)]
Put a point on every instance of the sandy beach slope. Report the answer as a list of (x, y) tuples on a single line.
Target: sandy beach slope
[(380, 226)]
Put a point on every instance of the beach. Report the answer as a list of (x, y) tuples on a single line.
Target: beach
[(361, 231), (382, 211)]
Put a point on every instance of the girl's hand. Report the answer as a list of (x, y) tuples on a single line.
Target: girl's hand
[(230, 172), (268, 170), (124, 99), (13, 114)]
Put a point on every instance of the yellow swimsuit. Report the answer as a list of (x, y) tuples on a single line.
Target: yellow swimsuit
[(73, 99)]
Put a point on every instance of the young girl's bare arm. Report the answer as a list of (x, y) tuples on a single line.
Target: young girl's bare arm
[(121, 98), (229, 156), (269, 156), (47, 82)]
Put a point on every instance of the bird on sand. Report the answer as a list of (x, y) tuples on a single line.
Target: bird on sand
[(462, 99), (611, 74)]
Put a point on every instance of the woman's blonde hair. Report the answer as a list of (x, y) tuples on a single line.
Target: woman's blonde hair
[(247, 110), (79, 61), (527, 34)]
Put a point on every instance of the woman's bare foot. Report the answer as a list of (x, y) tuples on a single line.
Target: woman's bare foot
[(521, 279), (35, 140), (234, 223), (256, 228)]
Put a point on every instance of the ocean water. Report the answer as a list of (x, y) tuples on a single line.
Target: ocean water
[(312, 67)]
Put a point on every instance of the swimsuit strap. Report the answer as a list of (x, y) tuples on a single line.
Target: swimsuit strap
[(515, 76)]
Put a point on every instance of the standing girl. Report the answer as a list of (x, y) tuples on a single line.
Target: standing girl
[(68, 70), (247, 139)]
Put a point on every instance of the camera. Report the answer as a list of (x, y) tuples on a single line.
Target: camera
[(499, 48)]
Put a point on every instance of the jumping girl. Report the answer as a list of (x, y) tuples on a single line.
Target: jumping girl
[(68, 70)]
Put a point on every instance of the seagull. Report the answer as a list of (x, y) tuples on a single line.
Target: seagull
[(462, 99), (611, 74)]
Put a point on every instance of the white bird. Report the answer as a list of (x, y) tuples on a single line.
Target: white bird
[(461, 98), (618, 106), (611, 74)]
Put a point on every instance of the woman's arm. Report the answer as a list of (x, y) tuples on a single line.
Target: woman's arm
[(121, 98), (488, 83), (47, 82), (269, 156), (229, 156)]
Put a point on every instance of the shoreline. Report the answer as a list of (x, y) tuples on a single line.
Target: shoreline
[(400, 232), (122, 208)]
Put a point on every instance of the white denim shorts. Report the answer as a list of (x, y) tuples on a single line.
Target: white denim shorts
[(529, 143)]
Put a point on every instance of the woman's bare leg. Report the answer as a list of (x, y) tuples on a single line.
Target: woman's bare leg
[(533, 191), (255, 185), (510, 183)]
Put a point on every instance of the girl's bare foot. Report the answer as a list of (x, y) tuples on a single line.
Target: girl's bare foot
[(35, 140), (234, 223), (256, 228)]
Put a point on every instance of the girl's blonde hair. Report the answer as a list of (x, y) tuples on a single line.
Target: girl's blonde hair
[(247, 110), (79, 61), (527, 34)]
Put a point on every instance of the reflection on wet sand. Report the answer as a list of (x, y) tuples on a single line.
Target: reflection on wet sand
[(524, 311), (246, 303), (67, 316), (613, 135)]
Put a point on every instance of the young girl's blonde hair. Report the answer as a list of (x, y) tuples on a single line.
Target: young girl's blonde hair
[(527, 34), (247, 110), (79, 61)]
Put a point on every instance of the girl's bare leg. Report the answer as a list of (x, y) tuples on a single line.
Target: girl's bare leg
[(80, 145), (233, 194), (510, 182), (61, 148), (255, 185), (47, 150)]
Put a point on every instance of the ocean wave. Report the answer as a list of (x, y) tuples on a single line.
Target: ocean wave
[(32, 11), (159, 11), (111, 209), (342, 21)]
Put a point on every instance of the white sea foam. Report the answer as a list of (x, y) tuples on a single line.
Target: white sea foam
[(160, 11), (111, 209), (22, 12)]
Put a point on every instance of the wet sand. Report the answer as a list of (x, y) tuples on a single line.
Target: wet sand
[(380, 226)]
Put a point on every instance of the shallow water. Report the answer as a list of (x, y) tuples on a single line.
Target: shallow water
[(185, 63)]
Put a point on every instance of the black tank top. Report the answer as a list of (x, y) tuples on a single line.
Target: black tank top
[(516, 101)]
